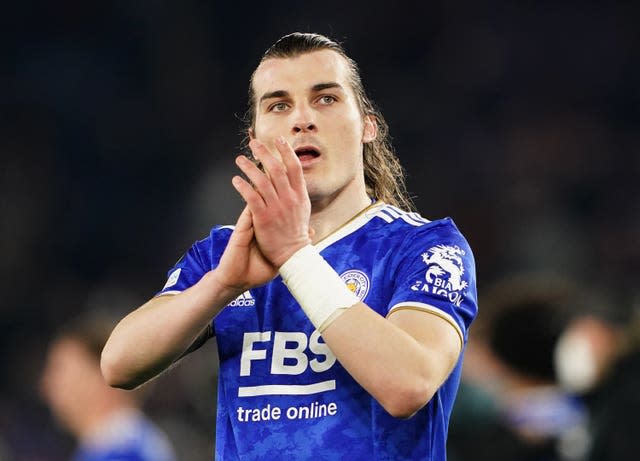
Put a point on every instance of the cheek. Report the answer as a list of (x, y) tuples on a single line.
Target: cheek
[(351, 127), (56, 390), (349, 138), (266, 126)]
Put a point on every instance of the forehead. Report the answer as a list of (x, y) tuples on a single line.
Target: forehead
[(301, 72), (68, 347)]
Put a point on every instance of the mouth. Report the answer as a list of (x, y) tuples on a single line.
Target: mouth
[(307, 153)]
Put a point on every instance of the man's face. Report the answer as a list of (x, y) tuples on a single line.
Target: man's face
[(68, 380), (309, 100)]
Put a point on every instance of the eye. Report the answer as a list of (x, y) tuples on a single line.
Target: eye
[(327, 100), (278, 107)]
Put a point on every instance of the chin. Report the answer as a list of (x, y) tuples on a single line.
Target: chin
[(313, 190)]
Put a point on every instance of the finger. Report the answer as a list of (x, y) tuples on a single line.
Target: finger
[(258, 149), (244, 222), (243, 230), (255, 201), (273, 166), (262, 185), (292, 165)]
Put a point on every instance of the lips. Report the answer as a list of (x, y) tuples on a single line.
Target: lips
[(307, 153)]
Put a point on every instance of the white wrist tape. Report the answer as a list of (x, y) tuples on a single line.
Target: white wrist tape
[(316, 286)]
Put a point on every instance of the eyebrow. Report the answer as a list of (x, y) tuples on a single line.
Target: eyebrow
[(325, 86), (314, 89), (274, 94)]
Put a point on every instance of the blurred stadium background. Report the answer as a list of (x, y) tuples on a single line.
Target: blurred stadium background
[(120, 122)]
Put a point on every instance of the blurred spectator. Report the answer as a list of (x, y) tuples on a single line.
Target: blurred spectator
[(598, 357), (510, 406), (107, 423)]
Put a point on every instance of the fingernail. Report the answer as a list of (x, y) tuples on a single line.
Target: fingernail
[(280, 140)]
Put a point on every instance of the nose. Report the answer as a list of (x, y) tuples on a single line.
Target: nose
[(303, 121), (302, 127)]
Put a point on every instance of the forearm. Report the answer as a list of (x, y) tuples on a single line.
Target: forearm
[(400, 361), (400, 371), (151, 338)]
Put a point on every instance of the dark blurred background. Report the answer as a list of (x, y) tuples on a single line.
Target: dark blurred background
[(120, 122)]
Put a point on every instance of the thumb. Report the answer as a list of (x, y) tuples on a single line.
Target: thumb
[(245, 220), (243, 231)]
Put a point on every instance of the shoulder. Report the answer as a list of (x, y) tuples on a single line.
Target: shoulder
[(202, 256), (218, 234), (414, 229), (127, 435), (419, 243), (399, 217), (214, 243)]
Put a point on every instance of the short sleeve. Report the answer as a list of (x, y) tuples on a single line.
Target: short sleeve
[(203, 256), (436, 274)]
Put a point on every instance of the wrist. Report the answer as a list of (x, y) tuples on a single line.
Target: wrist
[(225, 292), (281, 259), (319, 290)]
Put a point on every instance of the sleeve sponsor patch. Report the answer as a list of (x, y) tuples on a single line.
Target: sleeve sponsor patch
[(173, 279), (445, 273)]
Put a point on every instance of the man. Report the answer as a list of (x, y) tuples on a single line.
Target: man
[(509, 392), (598, 358), (340, 319), (107, 422)]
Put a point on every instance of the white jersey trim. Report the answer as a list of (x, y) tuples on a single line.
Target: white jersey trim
[(381, 214), (390, 213), (380, 210), (287, 389), (350, 227), (431, 310)]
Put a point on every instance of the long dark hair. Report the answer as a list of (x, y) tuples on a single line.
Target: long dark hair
[(383, 174)]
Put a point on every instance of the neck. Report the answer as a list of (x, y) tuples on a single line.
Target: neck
[(330, 213)]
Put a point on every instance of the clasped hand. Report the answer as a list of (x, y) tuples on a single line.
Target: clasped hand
[(277, 199), (275, 222)]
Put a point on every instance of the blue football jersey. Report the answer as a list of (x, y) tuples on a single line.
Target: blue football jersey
[(127, 436), (283, 395)]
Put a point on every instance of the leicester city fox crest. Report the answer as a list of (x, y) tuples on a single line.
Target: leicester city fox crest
[(357, 282)]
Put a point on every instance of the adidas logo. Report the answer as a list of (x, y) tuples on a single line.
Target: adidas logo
[(244, 300)]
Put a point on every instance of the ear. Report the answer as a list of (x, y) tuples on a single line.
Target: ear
[(370, 131)]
